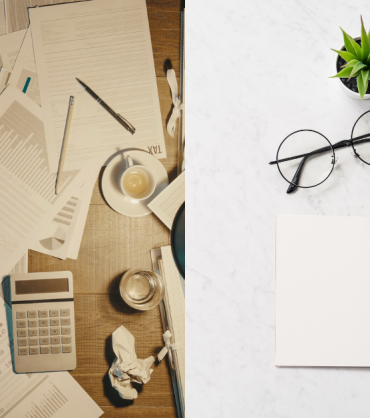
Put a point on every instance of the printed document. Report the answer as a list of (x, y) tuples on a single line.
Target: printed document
[(56, 395), (21, 266), (167, 203), (62, 237), (9, 48), (107, 45), (24, 75), (27, 192)]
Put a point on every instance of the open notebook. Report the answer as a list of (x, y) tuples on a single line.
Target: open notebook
[(322, 291)]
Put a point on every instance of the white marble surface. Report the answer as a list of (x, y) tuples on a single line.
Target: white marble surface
[(255, 72)]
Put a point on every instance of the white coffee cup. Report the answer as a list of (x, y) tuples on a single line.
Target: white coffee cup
[(136, 182)]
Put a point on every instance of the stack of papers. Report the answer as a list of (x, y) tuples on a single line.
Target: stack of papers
[(41, 64), (172, 310)]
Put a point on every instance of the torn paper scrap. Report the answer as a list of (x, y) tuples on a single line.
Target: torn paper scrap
[(127, 368)]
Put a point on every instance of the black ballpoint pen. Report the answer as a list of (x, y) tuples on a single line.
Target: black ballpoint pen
[(125, 123)]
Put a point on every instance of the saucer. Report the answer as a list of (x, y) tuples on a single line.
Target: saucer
[(110, 186)]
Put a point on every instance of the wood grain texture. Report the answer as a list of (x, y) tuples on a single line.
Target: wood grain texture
[(112, 244)]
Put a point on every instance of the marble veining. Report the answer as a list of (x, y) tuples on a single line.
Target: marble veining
[(255, 72)]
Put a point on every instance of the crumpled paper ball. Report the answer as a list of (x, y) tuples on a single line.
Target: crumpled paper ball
[(127, 368)]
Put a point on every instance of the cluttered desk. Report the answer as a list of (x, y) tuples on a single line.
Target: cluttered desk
[(92, 184)]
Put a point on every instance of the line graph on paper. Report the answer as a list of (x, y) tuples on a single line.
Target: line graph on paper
[(23, 152)]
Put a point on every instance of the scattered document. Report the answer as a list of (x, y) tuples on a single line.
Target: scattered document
[(4, 78), (62, 237), (21, 266), (107, 45), (85, 199), (27, 188), (56, 237), (127, 368), (167, 203), (322, 291), (38, 394), (9, 48), (24, 74)]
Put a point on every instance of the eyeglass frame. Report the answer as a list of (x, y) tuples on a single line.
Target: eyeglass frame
[(338, 145)]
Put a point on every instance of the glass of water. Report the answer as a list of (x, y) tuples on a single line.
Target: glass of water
[(141, 289)]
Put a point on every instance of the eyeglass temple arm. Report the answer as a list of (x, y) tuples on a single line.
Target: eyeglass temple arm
[(293, 186), (341, 144)]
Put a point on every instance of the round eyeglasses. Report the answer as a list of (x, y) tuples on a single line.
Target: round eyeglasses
[(306, 158)]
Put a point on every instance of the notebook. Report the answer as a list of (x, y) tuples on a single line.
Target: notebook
[(322, 290)]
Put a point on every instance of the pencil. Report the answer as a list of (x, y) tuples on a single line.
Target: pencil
[(65, 142)]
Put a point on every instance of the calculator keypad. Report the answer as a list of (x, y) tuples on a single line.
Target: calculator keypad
[(43, 334)]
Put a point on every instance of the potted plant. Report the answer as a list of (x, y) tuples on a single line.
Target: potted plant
[(353, 65)]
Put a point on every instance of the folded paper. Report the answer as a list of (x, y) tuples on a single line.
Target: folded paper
[(127, 368)]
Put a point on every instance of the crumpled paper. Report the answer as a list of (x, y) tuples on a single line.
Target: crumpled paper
[(127, 368)]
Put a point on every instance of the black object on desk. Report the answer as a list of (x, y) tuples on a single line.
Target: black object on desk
[(178, 240), (124, 122)]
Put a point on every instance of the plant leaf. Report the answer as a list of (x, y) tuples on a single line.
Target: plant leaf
[(350, 64), (348, 43), (347, 56), (365, 76), (345, 73), (360, 86), (357, 67), (364, 42), (357, 49)]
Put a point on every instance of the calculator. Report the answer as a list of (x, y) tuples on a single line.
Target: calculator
[(43, 322)]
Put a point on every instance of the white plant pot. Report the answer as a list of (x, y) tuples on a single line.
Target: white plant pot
[(345, 89)]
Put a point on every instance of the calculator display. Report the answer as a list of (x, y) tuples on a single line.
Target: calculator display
[(28, 287)]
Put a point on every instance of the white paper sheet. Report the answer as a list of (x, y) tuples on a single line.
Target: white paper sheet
[(107, 45), (166, 204), (4, 77), (85, 198), (10, 45), (21, 266), (62, 237), (322, 291), (56, 237), (24, 75), (27, 188), (41, 395)]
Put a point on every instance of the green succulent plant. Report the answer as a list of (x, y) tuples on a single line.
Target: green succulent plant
[(357, 59)]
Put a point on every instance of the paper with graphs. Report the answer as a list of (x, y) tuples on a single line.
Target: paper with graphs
[(27, 188)]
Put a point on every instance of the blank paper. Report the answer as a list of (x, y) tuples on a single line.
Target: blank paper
[(322, 288)]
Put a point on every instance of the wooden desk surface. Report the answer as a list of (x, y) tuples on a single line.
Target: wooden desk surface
[(112, 244)]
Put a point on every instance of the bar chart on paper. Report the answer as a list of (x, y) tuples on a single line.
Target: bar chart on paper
[(51, 402), (23, 152)]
